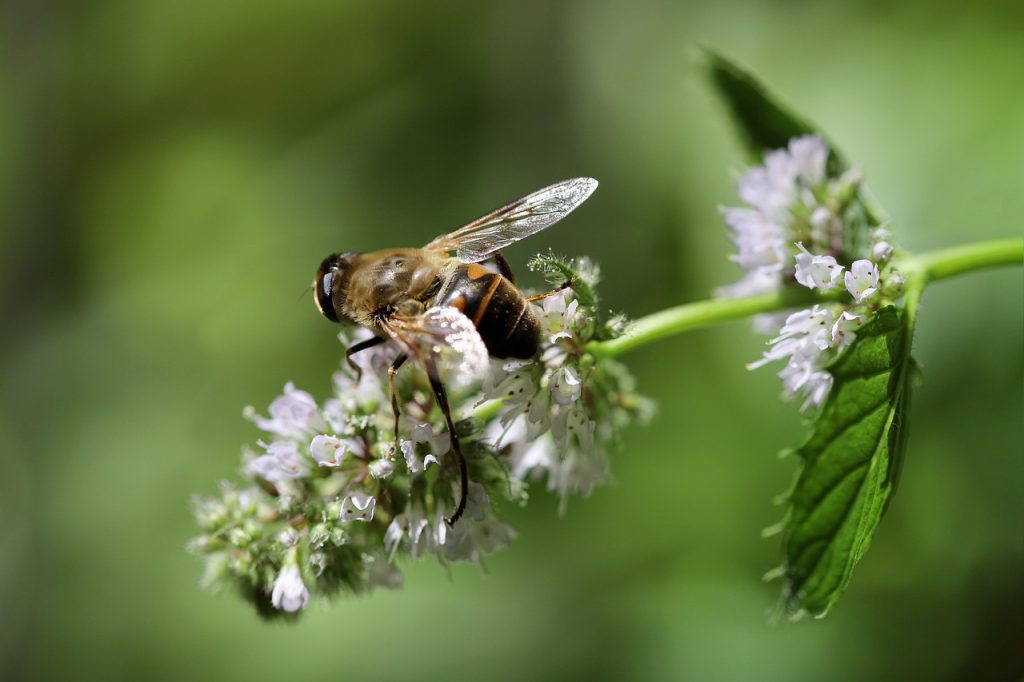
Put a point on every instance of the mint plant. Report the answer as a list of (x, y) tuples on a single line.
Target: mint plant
[(330, 503)]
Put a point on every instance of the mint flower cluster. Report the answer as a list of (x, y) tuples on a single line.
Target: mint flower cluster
[(329, 503), (799, 227)]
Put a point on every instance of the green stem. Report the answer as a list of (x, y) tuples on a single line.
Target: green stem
[(936, 265), (927, 267)]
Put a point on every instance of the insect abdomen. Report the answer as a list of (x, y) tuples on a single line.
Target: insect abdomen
[(504, 319)]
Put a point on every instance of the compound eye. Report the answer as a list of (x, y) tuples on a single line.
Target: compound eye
[(323, 286)]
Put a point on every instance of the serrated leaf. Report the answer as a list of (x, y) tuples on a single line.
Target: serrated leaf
[(851, 462)]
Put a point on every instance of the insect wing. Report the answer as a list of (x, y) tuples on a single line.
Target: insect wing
[(531, 214), (442, 338)]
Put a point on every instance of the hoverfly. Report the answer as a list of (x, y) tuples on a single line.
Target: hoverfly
[(427, 301)]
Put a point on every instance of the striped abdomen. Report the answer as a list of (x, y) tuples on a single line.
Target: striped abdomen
[(502, 316)]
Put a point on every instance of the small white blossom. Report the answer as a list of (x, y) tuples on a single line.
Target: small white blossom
[(770, 188), (816, 272), (292, 414), (809, 155), (803, 343), (806, 328), (804, 373), (358, 507), (281, 463), (409, 530), (288, 537), (439, 443), (789, 200), (381, 468), (845, 328), (760, 242), (566, 387), (862, 279), (289, 592), (328, 451), (479, 532), (881, 251), (557, 316), (515, 385)]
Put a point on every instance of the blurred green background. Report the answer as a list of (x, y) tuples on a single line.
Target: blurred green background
[(172, 173)]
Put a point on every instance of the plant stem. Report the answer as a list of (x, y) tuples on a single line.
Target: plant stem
[(689, 316), (927, 267), (943, 263)]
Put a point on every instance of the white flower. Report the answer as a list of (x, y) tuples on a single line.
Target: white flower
[(281, 463), (438, 442), (293, 414), (803, 342), (328, 451), (804, 373), (288, 537), (788, 200), (806, 328), (881, 251), (809, 155), (844, 330), (558, 315), (514, 384), (566, 387), (816, 272), (760, 242), (409, 530), (358, 507), (289, 593), (381, 468), (862, 279), (525, 455), (478, 532), (770, 188)]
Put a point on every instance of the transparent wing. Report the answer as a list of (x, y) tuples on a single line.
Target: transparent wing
[(443, 338), (507, 225)]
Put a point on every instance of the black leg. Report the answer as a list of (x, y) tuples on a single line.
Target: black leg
[(355, 348), (540, 297), (442, 402), (392, 371), (503, 267)]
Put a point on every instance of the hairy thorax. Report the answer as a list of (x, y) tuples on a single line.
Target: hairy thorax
[(396, 280)]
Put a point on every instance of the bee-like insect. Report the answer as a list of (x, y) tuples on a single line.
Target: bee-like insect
[(428, 302)]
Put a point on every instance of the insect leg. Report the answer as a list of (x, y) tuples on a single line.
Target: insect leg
[(540, 297), (355, 348), (392, 371), (503, 267), (442, 402)]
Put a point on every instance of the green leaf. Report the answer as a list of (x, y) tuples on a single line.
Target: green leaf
[(766, 123), (851, 462)]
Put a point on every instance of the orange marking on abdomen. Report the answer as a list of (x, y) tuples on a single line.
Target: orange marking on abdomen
[(475, 271), (486, 299)]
